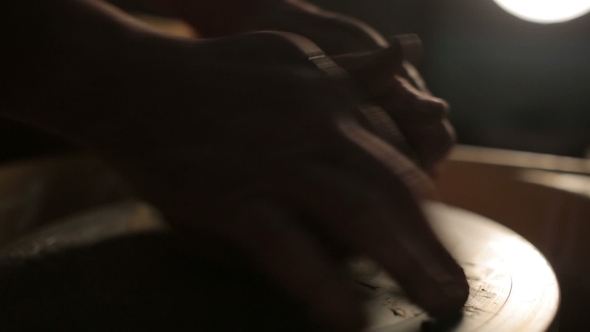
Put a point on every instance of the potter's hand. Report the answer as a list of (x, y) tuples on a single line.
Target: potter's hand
[(253, 141), (381, 68), (387, 79)]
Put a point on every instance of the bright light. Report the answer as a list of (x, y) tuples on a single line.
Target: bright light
[(546, 11)]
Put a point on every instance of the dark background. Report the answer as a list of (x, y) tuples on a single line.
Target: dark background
[(511, 83)]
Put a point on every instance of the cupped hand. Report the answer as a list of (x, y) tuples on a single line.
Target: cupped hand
[(387, 79), (254, 142), (383, 70)]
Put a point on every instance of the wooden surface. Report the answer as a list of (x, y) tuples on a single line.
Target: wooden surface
[(544, 198)]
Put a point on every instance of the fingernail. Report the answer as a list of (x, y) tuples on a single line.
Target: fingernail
[(458, 291), (456, 294)]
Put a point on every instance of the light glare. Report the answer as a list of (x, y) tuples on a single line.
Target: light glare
[(546, 11)]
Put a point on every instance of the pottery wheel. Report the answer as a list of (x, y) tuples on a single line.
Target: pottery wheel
[(513, 288)]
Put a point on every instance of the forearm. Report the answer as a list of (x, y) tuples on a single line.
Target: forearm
[(217, 18), (333, 32), (67, 63)]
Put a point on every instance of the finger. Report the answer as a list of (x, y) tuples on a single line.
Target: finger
[(268, 46), (376, 120), (409, 72), (411, 46), (416, 257), (418, 114), (288, 256), (422, 120), (370, 155), (372, 70), (372, 223), (407, 104), (432, 142)]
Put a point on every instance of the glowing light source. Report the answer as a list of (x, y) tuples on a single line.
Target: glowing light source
[(546, 11)]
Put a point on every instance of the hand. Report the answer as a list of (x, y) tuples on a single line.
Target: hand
[(252, 142), (382, 68), (395, 85)]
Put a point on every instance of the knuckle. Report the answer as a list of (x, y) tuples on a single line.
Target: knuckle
[(425, 108), (433, 142), (276, 46), (413, 106)]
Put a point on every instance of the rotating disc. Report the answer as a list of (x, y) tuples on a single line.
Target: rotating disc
[(512, 287)]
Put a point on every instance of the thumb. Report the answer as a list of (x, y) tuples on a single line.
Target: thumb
[(373, 70), (411, 46)]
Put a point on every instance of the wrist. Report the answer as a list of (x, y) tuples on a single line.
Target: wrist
[(216, 18), (77, 67), (332, 32)]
